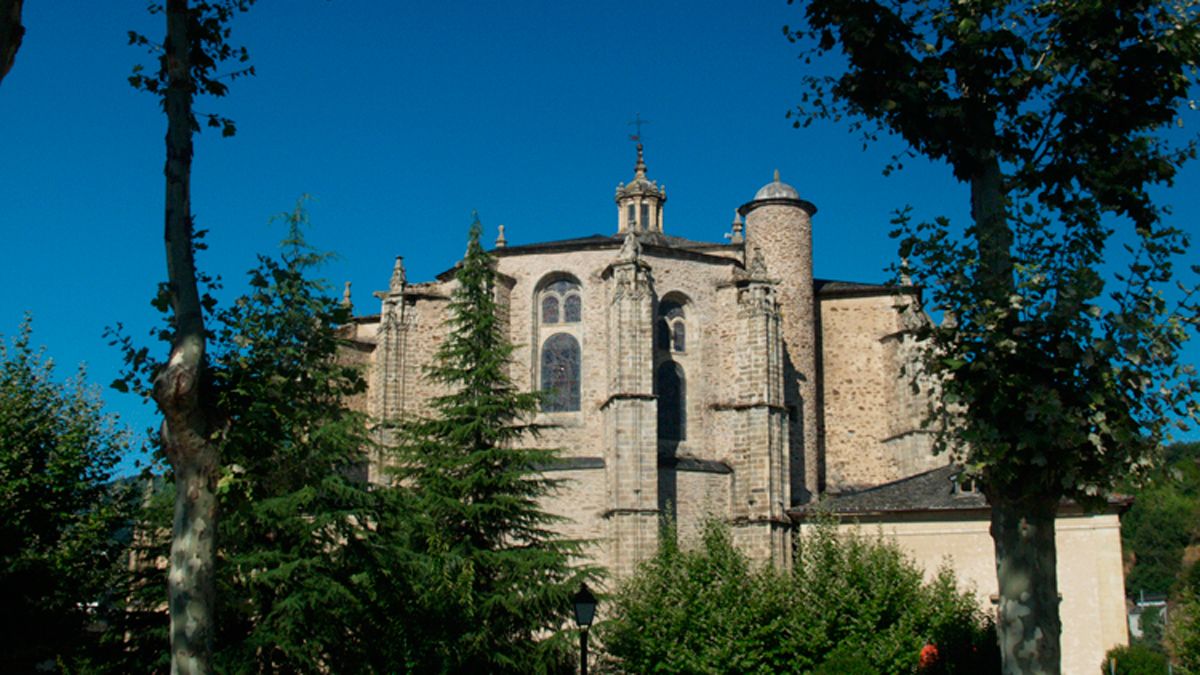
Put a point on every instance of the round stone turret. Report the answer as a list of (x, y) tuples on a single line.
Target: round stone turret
[(640, 202), (779, 224)]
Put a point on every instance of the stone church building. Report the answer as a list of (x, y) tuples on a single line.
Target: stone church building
[(698, 379)]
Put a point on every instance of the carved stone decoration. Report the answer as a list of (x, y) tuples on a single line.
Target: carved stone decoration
[(399, 278), (736, 237), (756, 266), (631, 249)]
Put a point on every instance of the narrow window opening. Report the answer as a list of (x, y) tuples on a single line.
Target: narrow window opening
[(671, 388)]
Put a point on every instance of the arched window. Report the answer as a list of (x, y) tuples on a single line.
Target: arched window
[(560, 373), (662, 335), (671, 327), (671, 387), (563, 293), (550, 309)]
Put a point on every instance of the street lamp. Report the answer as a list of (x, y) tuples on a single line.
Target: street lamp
[(585, 611)]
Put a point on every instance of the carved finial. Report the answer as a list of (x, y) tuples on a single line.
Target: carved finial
[(640, 167), (737, 237), (631, 249), (757, 266), (776, 175), (346, 297), (399, 280), (905, 277), (501, 242)]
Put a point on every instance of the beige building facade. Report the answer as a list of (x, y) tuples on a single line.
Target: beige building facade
[(694, 380)]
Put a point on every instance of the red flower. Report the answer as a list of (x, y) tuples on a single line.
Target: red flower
[(929, 656)]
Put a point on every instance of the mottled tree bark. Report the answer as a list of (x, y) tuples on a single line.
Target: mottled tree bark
[(187, 432), (1029, 626), (1022, 528), (11, 34)]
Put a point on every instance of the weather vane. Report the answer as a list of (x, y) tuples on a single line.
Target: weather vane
[(637, 123)]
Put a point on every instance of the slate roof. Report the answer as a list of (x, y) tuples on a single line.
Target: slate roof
[(930, 491)]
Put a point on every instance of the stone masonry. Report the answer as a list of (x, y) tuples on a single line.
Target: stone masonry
[(772, 386)]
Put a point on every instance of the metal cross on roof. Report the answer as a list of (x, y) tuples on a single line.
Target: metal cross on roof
[(637, 123)]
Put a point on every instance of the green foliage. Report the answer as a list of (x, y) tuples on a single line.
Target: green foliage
[(61, 521), (208, 30), (1161, 523), (1183, 631), (496, 581), (309, 573), (1056, 114), (295, 547), (850, 604), (1134, 660)]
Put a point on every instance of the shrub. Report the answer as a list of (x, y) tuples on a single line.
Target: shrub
[(850, 604)]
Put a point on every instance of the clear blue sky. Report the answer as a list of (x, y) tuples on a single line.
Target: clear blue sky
[(402, 117)]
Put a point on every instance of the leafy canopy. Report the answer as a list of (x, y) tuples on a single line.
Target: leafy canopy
[(1058, 114), (61, 519)]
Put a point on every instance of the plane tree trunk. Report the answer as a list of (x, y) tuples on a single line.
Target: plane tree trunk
[(1029, 627), (188, 434)]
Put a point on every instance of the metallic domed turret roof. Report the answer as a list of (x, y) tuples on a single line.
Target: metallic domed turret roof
[(777, 189)]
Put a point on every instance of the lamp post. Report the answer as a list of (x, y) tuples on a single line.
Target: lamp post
[(585, 610)]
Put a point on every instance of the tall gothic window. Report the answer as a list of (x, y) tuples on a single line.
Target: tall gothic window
[(671, 387), (560, 373), (559, 364)]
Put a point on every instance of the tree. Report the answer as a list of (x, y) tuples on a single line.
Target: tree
[(851, 604), (192, 428), (11, 34), (307, 553), (60, 517), (496, 581), (1183, 631), (300, 530), (1162, 521), (1134, 659), (1055, 114)]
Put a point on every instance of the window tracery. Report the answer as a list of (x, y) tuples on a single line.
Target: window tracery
[(559, 363), (560, 373)]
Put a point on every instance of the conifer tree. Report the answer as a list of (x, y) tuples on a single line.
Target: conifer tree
[(293, 570), (496, 579), (309, 574)]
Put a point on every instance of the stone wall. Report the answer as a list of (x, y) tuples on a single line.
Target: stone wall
[(872, 419)]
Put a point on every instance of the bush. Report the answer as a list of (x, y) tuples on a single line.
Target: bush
[(1136, 659), (850, 604)]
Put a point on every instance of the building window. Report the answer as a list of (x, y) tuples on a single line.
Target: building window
[(572, 309), (645, 216), (562, 293), (558, 363), (671, 327), (550, 309), (671, 387), (560, 373)]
